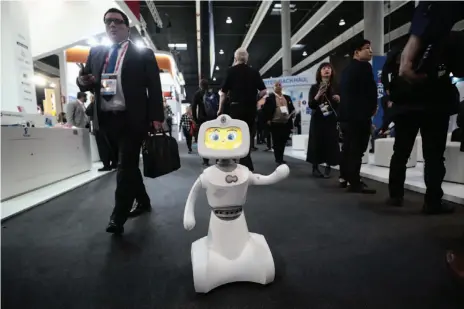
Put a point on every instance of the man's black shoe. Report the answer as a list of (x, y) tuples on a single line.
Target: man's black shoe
[(342, 183), (104, 169), (115, 228), (437, 208), (361, 188), (395, 201), (138, 209)]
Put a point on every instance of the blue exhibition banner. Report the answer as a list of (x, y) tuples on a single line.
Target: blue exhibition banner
[(377, 65)]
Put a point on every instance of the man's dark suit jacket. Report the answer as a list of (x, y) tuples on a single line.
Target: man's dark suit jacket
[(140, 81), (358, 93)]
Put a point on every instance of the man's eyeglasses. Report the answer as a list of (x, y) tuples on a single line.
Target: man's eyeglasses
[(116, 21)]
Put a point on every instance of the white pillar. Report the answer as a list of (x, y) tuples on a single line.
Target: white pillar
[(17, 86), (374, 26), (63, 75), (286, 37)]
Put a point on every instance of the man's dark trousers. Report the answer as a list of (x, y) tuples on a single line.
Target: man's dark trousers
[(245, 113), (433, 127), (129, 181), (355, 141)]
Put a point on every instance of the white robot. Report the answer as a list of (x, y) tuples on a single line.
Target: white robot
[(229, 253)]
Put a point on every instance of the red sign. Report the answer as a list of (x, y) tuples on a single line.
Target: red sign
[(134, 6)]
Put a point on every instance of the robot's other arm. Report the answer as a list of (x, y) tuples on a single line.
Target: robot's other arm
[(281, 172), (189, 212)]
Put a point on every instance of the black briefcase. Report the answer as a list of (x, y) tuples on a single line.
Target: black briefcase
[(160, 155)]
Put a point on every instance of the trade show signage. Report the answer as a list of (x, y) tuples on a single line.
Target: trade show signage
[(377, 65), (289, 81)]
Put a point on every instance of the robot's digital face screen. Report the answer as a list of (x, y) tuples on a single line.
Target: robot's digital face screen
[(223, 138)]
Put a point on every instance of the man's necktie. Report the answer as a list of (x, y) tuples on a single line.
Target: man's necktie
[(113, 58), (111, 66)]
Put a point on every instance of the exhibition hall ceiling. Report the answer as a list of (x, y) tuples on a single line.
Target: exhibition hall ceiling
[(232, 20)]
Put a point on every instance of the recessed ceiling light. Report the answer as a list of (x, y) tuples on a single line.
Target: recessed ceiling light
[(217, 68), (214, 78), (140, 44), (221, 52), (229, 20), (305, 54), (298, 47), (52, 85), (178, 46), (342, 22)]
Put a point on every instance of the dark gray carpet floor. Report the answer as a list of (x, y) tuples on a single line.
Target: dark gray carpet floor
[(332, 249)]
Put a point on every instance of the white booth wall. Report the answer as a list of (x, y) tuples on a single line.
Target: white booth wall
[(56, 25)]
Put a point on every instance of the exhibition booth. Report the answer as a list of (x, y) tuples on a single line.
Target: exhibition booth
[(34, 152)]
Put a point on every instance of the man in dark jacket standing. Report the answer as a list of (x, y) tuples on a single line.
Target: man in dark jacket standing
[(358, 104), (199, 112)]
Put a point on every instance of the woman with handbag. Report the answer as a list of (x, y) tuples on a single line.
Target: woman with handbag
[(323, 146)]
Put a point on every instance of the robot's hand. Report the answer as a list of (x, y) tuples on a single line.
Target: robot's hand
[(282, 171), (189, 222)]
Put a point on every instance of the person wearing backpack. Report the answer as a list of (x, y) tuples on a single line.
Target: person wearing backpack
[(205, 107)]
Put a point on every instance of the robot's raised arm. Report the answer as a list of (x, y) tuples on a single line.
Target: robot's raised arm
[(281, 172), (189, 212)]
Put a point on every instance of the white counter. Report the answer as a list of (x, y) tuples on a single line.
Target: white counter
[(36, 157)]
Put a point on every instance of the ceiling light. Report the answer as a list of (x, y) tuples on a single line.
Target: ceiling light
[(221, 52), (305, 54), (106, 41), (298, 47), (279, 6), (214, 78), (342, 22), (52, 85), (140, 44), (228, 20), (39, 80), (178, 46), (217, 68), (92, 42)]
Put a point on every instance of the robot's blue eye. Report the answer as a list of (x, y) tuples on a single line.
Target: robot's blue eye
[(231, 136), (214, 136)]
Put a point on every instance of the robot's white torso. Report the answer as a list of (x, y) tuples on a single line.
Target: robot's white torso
[(226, 186)]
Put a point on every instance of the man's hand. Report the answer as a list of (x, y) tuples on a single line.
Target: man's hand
[(408, 57), (85, 79), (336, 98), (389, 104), (158, 125)]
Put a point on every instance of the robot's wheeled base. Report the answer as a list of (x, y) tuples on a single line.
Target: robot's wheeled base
[(210, 269)]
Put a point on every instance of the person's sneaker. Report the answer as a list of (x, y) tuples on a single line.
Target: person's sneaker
[(437, 208), (268, 149), (395, 201), (189, 152), (327, 171)]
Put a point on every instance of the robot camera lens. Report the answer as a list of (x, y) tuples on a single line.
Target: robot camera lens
[(223, 119)]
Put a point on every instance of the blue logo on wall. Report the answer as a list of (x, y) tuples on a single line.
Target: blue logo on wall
[(26, 132)]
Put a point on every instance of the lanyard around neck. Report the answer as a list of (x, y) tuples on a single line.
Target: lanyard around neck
[(121, 56)]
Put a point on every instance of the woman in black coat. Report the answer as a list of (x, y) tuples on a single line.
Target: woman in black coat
[(278, 112), (323, 144)]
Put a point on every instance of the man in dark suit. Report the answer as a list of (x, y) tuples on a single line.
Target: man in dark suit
[(199, 113), (128, 100), (358, 93)]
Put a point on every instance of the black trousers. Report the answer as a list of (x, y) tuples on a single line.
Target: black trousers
[(355, 140), (268, 136), (280, 133), (247, 114), (434, 129), (188, 138), (104, 149), (129, 181)]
